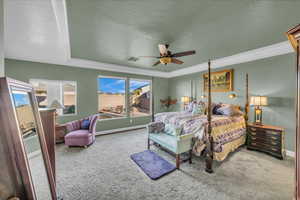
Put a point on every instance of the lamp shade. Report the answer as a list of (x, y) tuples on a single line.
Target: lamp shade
[(56, 104), (185, 99), (259, 101)]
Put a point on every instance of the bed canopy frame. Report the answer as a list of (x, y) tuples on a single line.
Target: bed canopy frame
[(209, 147)]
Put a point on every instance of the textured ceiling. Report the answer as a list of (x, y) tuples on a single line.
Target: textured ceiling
[(31, 31), (111, 31)]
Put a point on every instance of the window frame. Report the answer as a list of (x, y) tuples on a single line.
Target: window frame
[(151, 97), (61, 82), (126, 96)]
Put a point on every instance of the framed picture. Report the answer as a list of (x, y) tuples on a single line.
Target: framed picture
[(221, 81)]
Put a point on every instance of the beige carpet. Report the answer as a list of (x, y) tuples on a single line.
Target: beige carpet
[(105, 171)]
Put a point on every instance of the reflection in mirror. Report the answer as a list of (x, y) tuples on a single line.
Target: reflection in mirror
[(26, 119)]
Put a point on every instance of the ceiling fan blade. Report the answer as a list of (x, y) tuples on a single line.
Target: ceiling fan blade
[(149, 57), (157, 63), (176, 61), (163, 49), (185, 53)]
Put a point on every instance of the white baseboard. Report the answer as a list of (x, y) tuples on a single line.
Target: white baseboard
[(290, 153), (120, 129)]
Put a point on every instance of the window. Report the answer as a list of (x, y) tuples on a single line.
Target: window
[(111, 97), (47, 91), (140, 97)]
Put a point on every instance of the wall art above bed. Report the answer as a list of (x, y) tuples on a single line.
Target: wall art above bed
[(221, 81)]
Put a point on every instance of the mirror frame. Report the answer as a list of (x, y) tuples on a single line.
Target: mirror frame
[(293, 36), (12, 131)]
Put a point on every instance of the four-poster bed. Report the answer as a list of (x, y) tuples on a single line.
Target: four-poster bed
[(215, 136)]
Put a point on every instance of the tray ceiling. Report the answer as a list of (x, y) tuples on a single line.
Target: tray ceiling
[(111, 31)]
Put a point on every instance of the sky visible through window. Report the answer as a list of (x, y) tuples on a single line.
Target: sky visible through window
[(115, 85), (20, 99)]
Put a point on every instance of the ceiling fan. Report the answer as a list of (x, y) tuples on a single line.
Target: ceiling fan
[(167, 56)]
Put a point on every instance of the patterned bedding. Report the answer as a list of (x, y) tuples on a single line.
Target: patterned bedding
[(228, 132)]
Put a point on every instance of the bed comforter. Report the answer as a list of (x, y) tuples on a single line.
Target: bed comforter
[(228, 133)]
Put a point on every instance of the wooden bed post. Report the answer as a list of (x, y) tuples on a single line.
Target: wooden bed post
[(247, 105), (209, 145), (152, 100)]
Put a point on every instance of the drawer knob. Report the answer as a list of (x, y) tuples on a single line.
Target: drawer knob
[(274, 143), (253, 133), (274, 137), (274, 149)]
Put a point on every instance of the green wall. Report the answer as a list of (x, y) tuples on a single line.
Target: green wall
[(87, 99), (273, 77)]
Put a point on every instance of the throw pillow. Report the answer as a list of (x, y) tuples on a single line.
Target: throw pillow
[(199, 109), (85, 124), (190, 107), (229, 110), (215, 109)]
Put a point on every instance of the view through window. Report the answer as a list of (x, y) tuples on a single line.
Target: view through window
[(140, 97), (111, 97), (48, 91)]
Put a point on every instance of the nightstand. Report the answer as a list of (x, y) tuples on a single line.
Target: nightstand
[(266, 138), (60, 132)]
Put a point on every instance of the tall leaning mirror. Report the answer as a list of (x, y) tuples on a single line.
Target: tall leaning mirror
[(28, 140)]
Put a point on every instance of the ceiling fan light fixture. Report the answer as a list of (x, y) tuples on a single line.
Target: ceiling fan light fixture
[(165, 60)]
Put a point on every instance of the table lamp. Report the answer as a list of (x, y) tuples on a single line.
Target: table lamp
[(56, 105), (185, 100), (258, 101)]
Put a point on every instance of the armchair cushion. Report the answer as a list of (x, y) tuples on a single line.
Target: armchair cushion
[(73, 126), (85, 124), (93, 122)]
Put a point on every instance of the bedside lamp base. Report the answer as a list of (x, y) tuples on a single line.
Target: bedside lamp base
[(258, 116)]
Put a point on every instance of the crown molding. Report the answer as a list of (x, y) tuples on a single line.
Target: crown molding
[(88, 64), (277, 49), (247, 56)]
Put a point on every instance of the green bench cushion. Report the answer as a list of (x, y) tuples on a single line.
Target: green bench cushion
[(165, 140), (176, 144)]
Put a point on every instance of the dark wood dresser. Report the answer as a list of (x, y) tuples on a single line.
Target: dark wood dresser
[(266, 138), (60, 132)]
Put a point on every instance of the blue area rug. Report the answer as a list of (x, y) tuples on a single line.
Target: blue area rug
[(152, 164)]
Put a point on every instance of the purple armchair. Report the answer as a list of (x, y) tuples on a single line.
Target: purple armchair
[(81, 137)]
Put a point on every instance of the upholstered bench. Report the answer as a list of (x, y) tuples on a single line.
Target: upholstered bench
[(170, 139)]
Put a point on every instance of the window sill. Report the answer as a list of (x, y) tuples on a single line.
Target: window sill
[(68, 115), (129, 117), (108, 119)]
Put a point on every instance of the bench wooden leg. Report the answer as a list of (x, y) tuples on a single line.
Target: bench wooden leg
[(191, 155), (177, 161), (148, 144)]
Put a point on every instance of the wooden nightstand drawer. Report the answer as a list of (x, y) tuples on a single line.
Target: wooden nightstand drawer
[(265, 147), (268, 139), (266, 135)]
